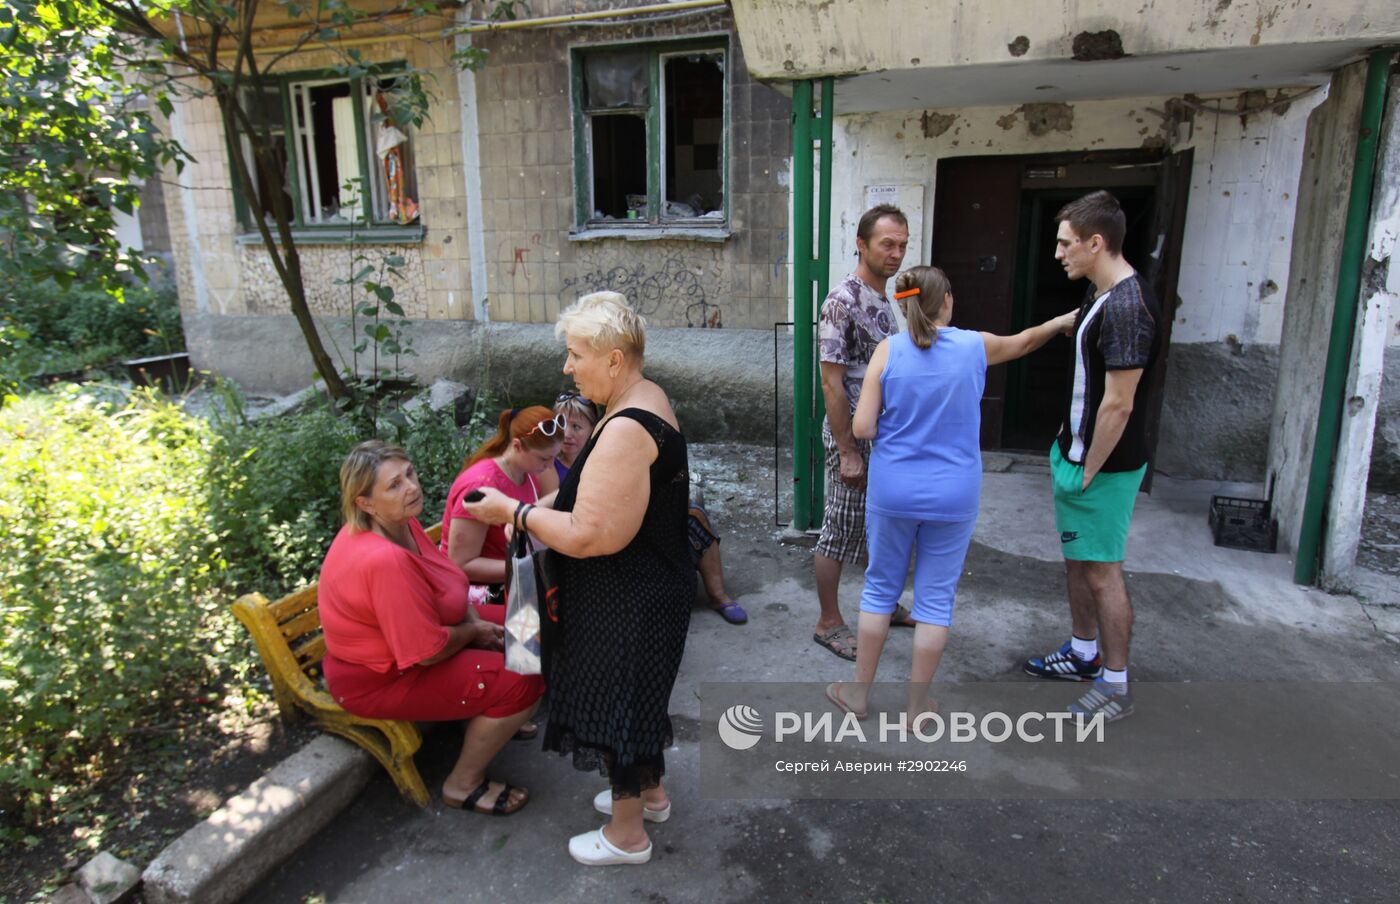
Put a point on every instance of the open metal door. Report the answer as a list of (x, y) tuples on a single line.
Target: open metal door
[(1163, 266), (976, 206)]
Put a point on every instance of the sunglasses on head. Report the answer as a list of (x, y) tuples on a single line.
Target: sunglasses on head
[(550, 426), (570, 395)]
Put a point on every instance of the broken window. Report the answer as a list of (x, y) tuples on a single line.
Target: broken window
[(651, 127), (338, 156)]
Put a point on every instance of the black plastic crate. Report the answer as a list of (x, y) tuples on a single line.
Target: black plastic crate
[(1243, 523)]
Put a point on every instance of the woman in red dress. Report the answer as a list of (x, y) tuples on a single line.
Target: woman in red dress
[(401, 640)]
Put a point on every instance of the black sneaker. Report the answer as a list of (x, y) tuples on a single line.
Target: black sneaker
[(1065, 665), (1104, 697)]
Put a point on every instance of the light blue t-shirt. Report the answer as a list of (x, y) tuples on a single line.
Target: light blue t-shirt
[(926, 463)]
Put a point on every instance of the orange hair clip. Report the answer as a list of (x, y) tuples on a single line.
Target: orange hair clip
[(905, 294)]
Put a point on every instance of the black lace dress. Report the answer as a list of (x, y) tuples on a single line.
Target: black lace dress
[(612, 658)]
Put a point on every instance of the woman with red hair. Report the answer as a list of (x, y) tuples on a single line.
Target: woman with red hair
[(518, 461)]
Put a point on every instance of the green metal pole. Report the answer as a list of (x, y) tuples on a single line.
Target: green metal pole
[(803, 384), (1334, 382), (823, 276)]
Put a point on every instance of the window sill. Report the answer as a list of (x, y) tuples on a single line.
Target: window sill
[(648, 233), (368, 235)]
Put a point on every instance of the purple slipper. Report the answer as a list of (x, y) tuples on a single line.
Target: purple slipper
[(732, 612)]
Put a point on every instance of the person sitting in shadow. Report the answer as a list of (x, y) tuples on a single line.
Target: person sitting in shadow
[(581, 417)]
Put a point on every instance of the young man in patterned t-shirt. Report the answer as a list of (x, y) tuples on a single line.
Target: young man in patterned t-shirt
[(855, 316), (1099, 458)]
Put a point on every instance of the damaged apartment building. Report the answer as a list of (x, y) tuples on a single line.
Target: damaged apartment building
[(631, 152), (648, 148), (1230, 130)]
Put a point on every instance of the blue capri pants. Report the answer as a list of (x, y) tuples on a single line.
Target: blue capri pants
[(939, 549)]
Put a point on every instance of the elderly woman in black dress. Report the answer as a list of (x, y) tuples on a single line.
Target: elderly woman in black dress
[(625, 576)]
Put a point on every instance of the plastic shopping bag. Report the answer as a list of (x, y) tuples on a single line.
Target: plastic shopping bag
[(523, 610)]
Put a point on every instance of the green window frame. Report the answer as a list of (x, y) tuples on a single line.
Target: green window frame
[(592, 129), (314, 215)]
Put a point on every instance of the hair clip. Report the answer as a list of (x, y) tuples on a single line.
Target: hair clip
[(905, 294)]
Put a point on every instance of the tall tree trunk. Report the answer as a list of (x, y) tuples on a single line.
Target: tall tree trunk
[(282, 250)]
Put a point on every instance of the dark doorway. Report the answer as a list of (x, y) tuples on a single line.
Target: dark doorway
[(994, 235), (1036, 385)]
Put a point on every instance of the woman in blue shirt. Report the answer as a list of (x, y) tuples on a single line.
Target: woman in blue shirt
[(921, 404)]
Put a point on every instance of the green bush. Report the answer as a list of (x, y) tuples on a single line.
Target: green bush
[(275, 486), (129, 528), (107, 570), (82, 327)]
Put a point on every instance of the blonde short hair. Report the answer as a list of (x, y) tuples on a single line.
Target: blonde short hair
[(357, 476), (605, 320)]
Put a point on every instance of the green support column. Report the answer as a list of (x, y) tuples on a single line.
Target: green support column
[(823, 277), (1334, 382), (810, 276), (803, 383)]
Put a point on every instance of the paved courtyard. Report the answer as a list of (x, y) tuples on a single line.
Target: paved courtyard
[(1203, 614)]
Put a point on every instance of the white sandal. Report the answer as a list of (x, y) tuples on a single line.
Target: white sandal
[(594, 849), (603, 804)]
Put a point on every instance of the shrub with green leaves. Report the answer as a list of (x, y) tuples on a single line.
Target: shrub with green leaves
[(108, 565), (54, 331), (129, 528), (275, 486)]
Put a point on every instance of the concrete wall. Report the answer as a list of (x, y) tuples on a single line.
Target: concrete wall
[(517, 124), (802, 39), (1239, 216), (1323, 189), (1237, 242), (1380, 290), (721, 381)]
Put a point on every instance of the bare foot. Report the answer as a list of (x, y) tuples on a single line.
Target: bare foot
[(929, 705), (833, 693)]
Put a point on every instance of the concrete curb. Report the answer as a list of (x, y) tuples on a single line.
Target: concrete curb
[(218, 860)]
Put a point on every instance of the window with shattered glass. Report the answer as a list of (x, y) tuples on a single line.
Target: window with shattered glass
[(337, 155), (651, 135)]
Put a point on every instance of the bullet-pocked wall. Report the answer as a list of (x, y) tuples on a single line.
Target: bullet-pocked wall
[(540, 257), (1223, 364), (1244, 179)]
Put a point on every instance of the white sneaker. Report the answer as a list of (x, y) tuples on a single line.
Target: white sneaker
[(594, 849), (603, 804)]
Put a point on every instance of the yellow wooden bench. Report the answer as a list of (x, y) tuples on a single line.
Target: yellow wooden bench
[(288, 636)]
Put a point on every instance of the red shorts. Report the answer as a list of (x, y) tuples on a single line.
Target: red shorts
[(471, 683)]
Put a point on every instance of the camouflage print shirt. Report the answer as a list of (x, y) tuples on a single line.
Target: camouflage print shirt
[(854, 319)]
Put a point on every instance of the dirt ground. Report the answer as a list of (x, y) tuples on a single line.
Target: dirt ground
[(179, 774)]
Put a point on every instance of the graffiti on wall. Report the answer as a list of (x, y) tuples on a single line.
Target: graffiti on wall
[(671, 289)]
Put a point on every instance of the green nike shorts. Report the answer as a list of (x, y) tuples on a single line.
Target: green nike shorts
[(1093, 523)]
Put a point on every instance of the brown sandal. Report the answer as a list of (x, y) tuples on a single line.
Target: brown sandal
[(840, 641)]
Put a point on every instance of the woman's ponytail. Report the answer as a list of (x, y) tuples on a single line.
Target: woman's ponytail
[(925, 288)]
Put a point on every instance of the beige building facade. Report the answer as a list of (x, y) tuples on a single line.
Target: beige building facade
[(633, 153)]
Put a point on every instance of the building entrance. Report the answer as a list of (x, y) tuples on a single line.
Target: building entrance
[(994, 235)]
